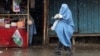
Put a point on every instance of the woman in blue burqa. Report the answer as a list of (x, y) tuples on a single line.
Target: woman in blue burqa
[(64, 27)]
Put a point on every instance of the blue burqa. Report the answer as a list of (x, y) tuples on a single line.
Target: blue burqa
[(65, 26)]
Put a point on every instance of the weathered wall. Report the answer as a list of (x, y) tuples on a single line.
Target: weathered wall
[(85, 14)]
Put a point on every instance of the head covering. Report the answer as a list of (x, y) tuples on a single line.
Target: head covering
[(65, 11), (66, 14)]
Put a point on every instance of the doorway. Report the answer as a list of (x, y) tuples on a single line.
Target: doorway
[(37, 14)]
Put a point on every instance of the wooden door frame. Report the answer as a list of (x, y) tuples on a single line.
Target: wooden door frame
[(45, 23)]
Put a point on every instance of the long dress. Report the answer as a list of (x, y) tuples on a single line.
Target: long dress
[(65, 26), (32, 31)]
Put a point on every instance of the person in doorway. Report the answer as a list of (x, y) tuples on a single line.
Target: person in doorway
[(64, 28), (32, 29)]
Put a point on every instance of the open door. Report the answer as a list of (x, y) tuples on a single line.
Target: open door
[(37, 14)]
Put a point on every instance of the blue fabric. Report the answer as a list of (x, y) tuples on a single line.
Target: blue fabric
[(32, 31), (65, 26)]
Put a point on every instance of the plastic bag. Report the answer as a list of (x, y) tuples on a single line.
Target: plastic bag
[(17, 38)]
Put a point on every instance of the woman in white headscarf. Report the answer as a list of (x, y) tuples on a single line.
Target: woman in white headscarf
[(64, 26)]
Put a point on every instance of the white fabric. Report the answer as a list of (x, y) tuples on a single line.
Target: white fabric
[(54, 25), (58, 16)]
